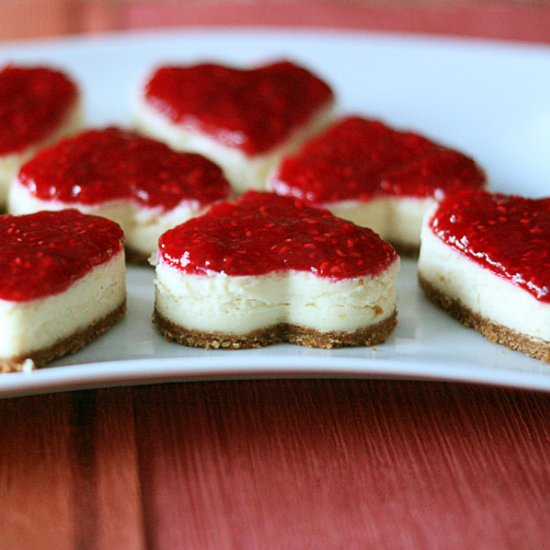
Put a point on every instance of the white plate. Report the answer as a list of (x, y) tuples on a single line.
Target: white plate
[(490, 100)]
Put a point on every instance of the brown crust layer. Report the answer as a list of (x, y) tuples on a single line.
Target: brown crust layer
[(494, 332), (293, 334), (68, 345)]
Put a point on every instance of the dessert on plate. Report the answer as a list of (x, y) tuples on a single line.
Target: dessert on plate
[(267, 269), (245, 120), (62, 284), (485, 258), (140, 183), (38, 105), (366, 172)]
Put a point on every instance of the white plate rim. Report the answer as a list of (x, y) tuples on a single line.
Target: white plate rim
[(240, 365)]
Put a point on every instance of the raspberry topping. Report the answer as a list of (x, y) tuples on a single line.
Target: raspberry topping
[(507, 234), (252, 110), (44, 253), (101, 165), (359, 159), (34, 102), (262, 233)]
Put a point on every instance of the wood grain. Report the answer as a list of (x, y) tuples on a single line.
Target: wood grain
[(276, 464), (524, 20), (36, 483), (504, 19)]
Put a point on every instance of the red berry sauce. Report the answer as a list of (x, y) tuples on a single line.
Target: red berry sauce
[(506, 234), (262, 233), (34, 102), (102, 165), (252, 110), (44, 253), (359, 159)]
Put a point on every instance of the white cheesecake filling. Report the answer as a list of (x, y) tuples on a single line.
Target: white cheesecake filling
[(142, 226), (10, 163), (30, 326), (243, 171), (479, 289), (240, 305), (396, 219)]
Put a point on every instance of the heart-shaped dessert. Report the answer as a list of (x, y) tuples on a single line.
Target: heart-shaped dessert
[(138, 182), (364, 171), (485, 258), (243, 119), (266, 269), (38, 105), (62, 283)]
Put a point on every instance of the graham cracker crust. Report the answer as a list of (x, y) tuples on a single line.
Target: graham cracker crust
[(293, 334), (68, 345), (494, 332)]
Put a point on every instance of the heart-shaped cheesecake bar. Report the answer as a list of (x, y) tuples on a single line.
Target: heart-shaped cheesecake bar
[(243, 119), (366, 172), (140, 183), (38, 105), (267, 269), (62, 283), (485, 258)]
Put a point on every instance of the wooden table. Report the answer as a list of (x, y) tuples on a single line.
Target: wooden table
[(276, 464), (524, 20), (281, 463)]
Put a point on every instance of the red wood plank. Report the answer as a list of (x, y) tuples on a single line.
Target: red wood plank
[(498, 20), (119, 513), (343, 464), (508, 20), (36, 477), (276, 464)]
